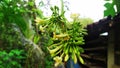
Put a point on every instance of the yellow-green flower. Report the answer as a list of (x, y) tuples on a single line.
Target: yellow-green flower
[(58, 61), (74, 15), (41, 29), (52, 51), (39, 21), (64, 36)]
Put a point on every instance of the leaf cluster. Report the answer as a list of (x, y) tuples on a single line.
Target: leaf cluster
[(110, 7), (11, 59)]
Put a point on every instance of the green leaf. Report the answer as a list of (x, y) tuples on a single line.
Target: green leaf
[(1, 66), (36, 39), (2, 53), (31, 3), (11, 54), (20, 57), (5, 58), (17, 52), (1, 62), (13, 62), (109, 9)]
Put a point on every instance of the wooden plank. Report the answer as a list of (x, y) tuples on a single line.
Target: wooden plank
[(95, 48)]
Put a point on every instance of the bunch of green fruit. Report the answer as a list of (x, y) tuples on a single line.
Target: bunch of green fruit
[(67, 37), (67, 45)]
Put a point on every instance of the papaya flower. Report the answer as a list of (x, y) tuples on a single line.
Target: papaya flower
[(54, 36), (41, 29), (74, 16), (58, 61), (67, 38), (39, 21), (52, 51), (64, 36)]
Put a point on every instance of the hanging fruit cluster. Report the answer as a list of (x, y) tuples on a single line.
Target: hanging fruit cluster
[(67, 36)]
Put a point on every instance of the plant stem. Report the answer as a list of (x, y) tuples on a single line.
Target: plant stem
[(62, 7)]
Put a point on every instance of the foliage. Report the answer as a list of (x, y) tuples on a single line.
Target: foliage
[(11, 12), (12, 53), (26, 33), (16, 30), (11, 59), (110, 7)]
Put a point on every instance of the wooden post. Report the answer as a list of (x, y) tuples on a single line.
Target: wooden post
[(111, 53), (117, 44)]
